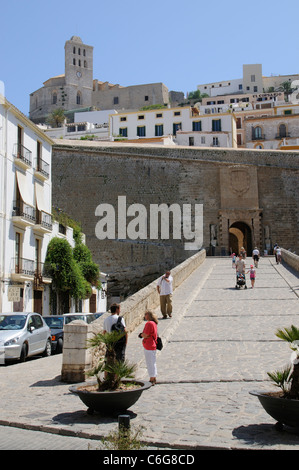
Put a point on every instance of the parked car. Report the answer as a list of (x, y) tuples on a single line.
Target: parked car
[(87, 317), (55, 323), (98, 314), (24, 334)]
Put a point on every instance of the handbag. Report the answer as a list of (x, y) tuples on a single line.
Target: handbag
[(159, 343)]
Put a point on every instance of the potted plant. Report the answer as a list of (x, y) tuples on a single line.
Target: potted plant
[(283, 405), (114, 388)]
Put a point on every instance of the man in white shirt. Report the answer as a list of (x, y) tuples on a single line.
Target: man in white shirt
[(120, 347), (164, 288)]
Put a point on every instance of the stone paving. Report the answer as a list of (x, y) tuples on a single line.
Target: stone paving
[(218, 346)]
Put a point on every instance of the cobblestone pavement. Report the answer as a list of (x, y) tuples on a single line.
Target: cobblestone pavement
[(218, 346)]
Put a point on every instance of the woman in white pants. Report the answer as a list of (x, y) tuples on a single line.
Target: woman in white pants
[(149, 335)]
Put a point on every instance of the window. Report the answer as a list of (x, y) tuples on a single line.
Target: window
[(141, 116), (74, 61), (191, 141), (177, 113), (252, 78), (18, 251), (177, 126), (74, 50), (115, 100), (123, 131), (124, 118), (85, 64), (78, 98), (141, 131), (84, 52), (203, 140), (255, 89), (79, 51), (159, 115), (159, 131), (196, 125), (54, 97), (215, 142), (240, 87), (257, 132), (216, 125), (146, 98), (287, 111)]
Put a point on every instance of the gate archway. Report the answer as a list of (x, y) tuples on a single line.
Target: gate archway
[(240, 235)]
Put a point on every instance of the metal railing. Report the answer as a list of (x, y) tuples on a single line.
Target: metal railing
[(44, 219), (22, 153), (42, 270), (24, 266), (20, 209), (43, 167)]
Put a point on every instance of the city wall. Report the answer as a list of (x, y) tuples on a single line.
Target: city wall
[(254, 187)]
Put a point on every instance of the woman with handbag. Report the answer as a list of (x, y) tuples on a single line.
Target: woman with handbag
[(150, 335)]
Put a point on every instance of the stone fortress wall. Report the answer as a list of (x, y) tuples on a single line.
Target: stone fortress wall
[(248, 196)]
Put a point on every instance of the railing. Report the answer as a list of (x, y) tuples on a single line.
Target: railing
[(20, 209), (44, 219), (23, 154), (43, 167), (24, 266), (258, 137), (283, 135)]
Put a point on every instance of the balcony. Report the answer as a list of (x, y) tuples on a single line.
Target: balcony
[(23, 269), (259, 137), (22, 156), (23, 214), (283, 135), (43, 222), (42, 169)]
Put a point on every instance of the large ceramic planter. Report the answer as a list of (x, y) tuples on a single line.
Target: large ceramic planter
[(283, 410), (110, 401)]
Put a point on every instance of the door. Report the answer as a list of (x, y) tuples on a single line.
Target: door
[(38, 301), (37, 335)]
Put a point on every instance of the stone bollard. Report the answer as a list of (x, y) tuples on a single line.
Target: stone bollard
[(76, 357)]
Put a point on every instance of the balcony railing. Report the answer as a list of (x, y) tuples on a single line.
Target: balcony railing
[(24, 266), (43, 167), (44, 219), (258, 137), (22, 153), (20, 209), (284, 135)]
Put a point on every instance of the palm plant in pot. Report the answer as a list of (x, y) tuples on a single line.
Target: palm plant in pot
[(283, 405), (114, 388)]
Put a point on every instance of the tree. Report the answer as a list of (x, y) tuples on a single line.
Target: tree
[(56, 118), (196, 95)]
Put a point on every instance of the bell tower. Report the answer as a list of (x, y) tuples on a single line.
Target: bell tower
[(78, 73)]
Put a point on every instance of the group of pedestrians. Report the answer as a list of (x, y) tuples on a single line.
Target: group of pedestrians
[(149, 334), (239, 264)]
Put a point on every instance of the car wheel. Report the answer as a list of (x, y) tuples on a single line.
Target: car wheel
[(23, 354), (48, 349), (59, 346)]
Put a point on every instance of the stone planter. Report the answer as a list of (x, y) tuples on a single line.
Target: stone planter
[(109, 402), (284, 410)]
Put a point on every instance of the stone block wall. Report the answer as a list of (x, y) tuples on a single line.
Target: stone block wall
[(291, 259)]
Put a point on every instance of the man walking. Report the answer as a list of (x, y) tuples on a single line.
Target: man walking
[(108, 326), (164, 287)]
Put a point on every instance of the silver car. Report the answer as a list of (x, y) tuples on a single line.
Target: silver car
[(23, 335)]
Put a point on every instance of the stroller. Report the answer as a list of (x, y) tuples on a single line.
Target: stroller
[(241, 281)]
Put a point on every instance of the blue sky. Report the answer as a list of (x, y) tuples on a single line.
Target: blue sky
[(180, 43)]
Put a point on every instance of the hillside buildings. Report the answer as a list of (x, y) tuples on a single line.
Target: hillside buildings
[(76, 89)]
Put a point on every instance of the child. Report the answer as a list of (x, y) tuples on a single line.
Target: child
[(252, 275), (233, 260)]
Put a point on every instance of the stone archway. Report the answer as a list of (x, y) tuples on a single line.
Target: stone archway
[(240, 235)]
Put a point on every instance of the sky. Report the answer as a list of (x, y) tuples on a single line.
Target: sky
[(180, 43)]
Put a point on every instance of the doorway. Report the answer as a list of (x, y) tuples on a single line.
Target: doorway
[(240, 236)]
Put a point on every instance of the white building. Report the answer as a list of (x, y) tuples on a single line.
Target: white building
[(25, 214), (185, 124)]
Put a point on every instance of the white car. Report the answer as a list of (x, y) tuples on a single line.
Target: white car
[(22, 335)]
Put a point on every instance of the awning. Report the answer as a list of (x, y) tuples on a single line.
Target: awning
[(39, 197), (23, 188)]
